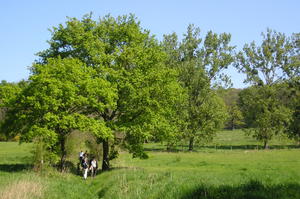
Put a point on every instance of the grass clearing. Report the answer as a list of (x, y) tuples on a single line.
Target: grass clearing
[(186, 175), (209, 172)]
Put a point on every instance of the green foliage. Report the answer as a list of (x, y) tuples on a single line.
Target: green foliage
[(200, 68), (122, 85), (82, 141), (8, 95), (289, 95), (268, 63), (235, 117), (42, 158), (293, 88), (292, 68), (266, 66), (54, 103), (264, 113)]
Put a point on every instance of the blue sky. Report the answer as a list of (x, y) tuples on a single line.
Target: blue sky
[(24, 24)]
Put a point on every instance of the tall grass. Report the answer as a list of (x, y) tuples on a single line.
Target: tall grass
[(23, 189)]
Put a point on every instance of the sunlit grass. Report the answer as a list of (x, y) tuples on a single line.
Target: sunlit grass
[(237, 171)]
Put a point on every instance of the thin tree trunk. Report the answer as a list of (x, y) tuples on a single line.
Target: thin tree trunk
[(191, 144), (266, 144), (63, 154), (105, 159), (232, 124)]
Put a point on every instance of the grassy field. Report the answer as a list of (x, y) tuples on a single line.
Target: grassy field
[(233, 166)]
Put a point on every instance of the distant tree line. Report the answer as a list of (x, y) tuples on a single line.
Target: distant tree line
[(111, 76)]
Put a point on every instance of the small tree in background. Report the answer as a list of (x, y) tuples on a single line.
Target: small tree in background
[(264, 114), (266, 66), (235, 117)]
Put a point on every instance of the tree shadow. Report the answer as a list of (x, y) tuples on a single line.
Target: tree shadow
[(102, 192), (15, 167), (251, 190), (253, 146), (75, 169), (163, 150), (123, 168), (184, 148)]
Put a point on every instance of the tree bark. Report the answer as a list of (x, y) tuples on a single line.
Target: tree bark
[(63, 154), (266, 144), (105, 159), (191, 144)]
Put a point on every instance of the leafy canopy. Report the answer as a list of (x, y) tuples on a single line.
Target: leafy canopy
[(200, 66), (266, 67), (54, 102), (132, 61)]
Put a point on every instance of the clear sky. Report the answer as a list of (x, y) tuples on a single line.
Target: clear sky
[(24, 24)]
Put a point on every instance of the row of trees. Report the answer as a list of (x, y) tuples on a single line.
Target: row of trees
[(111, 76)]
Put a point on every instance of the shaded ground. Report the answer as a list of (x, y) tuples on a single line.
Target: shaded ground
[(222, 147), (14, 167), (251, 190)]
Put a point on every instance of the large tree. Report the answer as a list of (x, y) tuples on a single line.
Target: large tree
[(266, 66), (54, 103), (132, 61), (200, 65)]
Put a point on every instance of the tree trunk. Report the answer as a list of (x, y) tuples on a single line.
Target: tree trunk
[(232, 124), (63, 154), (105, 159), (266, 144), (191, 144)]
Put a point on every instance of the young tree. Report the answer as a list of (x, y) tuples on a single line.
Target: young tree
[(132, 61), (200, 66), (266, 66), (235, 117), (264, 114)]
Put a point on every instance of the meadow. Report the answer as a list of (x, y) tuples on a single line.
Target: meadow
[(232, 166)]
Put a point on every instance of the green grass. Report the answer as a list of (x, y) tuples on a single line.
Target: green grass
[(238, 139), (230, 140), (230, 167), (15, 168), (175, 175)]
